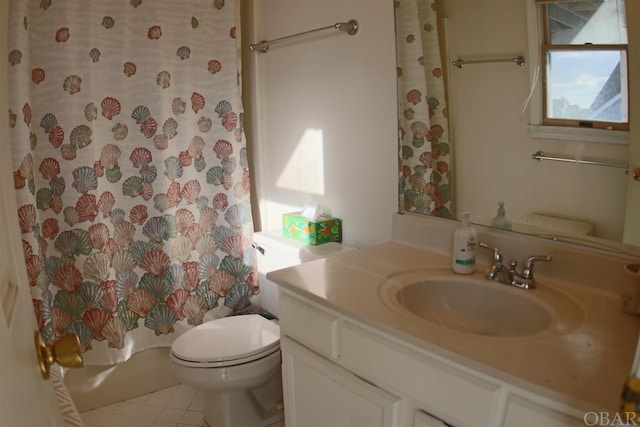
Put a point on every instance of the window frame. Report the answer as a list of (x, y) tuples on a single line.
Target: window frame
[(540, 125)]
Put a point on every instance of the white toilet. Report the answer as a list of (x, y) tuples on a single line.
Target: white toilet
[(236, 362)]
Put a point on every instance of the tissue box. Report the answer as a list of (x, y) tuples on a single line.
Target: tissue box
[(313, 231)]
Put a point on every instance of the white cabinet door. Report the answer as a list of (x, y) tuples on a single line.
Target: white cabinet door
[(319, 393)]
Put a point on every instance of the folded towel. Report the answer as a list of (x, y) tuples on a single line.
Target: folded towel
[(555, 224)]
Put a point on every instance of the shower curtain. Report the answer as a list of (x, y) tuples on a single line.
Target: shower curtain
[(424, 154), (130, 168)]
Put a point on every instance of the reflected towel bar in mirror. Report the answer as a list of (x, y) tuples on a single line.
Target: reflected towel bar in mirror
[(519, 60), (350, 28), (539, 155)]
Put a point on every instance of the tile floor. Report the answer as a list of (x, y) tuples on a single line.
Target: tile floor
[(178, 406)]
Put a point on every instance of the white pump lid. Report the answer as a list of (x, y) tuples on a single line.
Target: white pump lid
[(230, 340), (466, 219)]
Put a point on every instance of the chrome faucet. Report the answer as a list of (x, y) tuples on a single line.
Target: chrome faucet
[(510, 276)]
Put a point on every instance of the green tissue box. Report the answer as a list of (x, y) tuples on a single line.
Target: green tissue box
[(315, 232)]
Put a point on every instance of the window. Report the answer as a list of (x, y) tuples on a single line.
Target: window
[(583, 64)]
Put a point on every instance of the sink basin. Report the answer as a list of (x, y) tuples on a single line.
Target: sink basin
[(471, 307), (482, 307)]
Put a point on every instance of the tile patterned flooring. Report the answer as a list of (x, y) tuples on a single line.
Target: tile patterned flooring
[(178, 406)]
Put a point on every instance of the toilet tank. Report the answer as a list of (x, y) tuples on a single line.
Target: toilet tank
[(276, 252)]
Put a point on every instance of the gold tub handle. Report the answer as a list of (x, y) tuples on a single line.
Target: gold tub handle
[(65, 352)]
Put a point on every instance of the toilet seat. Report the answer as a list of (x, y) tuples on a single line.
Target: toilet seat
[(227, 342)]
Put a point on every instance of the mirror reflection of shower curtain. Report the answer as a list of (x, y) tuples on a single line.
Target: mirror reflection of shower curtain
[(425, 175), (130, 168)]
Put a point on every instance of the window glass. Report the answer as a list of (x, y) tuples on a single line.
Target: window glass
[(587, 21), (584, 57), (587, 85)]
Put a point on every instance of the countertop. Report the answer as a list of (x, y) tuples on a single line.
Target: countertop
[(585, 367)]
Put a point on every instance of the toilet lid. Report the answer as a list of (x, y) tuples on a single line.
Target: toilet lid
[(230, 340)]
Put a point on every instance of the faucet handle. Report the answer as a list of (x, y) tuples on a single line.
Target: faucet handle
[(497, 254), (527, 273)]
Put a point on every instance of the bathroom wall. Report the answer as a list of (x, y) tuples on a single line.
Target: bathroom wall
[(322, 113), (344, 87)]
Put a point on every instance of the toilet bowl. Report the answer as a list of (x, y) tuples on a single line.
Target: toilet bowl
[(236, 362)]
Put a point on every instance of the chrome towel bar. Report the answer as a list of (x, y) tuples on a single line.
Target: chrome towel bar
[(519, 60), (539, 155), (350, 28)]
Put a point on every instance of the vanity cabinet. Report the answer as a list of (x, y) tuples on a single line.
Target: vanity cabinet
[(340, 372), (320, 393)]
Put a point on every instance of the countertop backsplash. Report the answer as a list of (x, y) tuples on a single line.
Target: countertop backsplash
[(579, 266)]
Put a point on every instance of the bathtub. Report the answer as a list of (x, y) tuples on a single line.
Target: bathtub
[(91, 387)]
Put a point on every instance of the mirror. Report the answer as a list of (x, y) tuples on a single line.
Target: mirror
[(491, 144)]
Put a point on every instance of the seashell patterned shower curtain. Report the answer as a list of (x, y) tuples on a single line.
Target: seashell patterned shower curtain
[(424, 154), (130, 168)]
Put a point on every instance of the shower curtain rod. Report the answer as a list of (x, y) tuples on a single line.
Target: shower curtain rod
[(519, 60), (350, 28), (539, 155)]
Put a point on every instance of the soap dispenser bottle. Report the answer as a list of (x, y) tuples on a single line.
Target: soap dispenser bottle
[(501, 220), (464, 247)]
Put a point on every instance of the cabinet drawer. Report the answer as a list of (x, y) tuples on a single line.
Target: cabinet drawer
[(522, 412), (308, 325), (449, 393)]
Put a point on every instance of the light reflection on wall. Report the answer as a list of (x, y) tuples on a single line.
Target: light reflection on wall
[(304, 170)]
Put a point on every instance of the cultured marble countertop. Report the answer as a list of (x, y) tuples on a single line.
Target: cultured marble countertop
[(585, 367)]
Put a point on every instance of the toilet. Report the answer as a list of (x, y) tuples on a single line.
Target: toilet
[(236, 362)]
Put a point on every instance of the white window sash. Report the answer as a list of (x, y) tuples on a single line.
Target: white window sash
[(534, 102)]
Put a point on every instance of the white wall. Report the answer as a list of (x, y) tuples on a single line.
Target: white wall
[(323, 110), (345, 86), (491, 142)]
